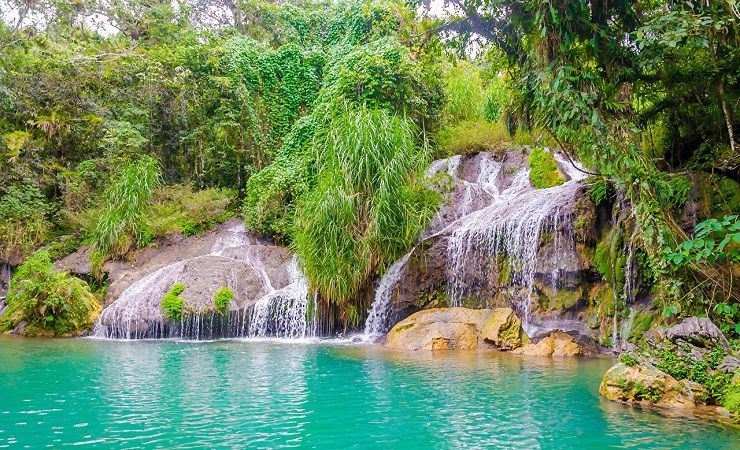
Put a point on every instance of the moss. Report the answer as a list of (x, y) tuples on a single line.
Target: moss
[(222, 300), (504, 271), (402, 328), (172, 303), (602, 261), (543, 169), (437, 298), (628, 359), (643, 321)]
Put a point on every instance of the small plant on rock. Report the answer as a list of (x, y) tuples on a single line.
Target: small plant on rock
[(172, 303), (222, 300)]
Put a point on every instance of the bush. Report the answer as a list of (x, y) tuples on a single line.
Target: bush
[(222, 300), (23, 221), (369, 204), (120, 224), (543, 169), (50, 302), (473, 136), (172, 303), (179, 208)]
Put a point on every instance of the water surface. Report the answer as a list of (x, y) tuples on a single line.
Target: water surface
[(231, 394)]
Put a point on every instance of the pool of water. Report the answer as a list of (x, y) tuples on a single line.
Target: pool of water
[(83, 392)]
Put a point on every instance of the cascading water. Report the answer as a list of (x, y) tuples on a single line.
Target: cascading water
[(492, 214), (378, 321), (285, 313), (512, 228), (273, 312)]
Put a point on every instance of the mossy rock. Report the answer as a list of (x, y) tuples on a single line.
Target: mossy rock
[(504, 329), (543, 168), (646, 385)]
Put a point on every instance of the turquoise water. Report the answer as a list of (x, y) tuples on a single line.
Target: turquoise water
[(228, 394)]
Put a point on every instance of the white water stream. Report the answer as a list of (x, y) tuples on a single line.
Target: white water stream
[(282, 313)]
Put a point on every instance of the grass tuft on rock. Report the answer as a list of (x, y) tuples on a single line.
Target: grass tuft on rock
[(543, 169)]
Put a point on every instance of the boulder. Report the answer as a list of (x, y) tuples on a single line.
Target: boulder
[(504, 329), (646, 385), (440, 329), (555, 344), (697, 331)]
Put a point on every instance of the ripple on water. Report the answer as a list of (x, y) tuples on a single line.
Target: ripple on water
[(270, 394)]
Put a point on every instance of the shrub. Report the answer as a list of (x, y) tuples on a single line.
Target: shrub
[(120, 224), (222, 300), (368, 206), (543, 169), (731, 400), (50, 302), (172, 303), (473, 136), (23, 221), (180, 208)]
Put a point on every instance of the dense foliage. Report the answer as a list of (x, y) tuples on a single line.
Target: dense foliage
[(368, 205), (643, 92), (47, 301)]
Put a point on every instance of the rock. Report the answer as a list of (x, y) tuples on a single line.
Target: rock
[(730, 364), (646, 385), (440, 329), (698, 331), (165, 251), (556, 344), (504, 329)]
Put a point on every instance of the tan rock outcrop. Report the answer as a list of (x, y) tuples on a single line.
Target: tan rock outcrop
[(556, 344), (439, 329)]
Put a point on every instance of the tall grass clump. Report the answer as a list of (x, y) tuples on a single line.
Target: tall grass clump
[(466, 96), (368, 206), (120, 224)]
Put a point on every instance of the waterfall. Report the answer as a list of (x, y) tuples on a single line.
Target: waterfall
[(283, 312), (378, 321), (6, 274), (511, 228), (491, 215)]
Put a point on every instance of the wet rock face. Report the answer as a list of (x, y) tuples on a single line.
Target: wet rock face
[(227, 257), (498, 242)]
